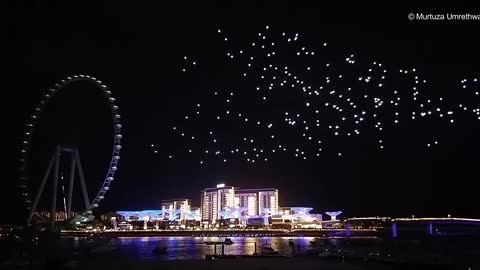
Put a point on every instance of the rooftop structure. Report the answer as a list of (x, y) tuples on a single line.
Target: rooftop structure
[(333, 214)]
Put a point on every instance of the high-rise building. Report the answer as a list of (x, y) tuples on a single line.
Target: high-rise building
[(214, 200), (268, 201), (260, 201), (175, 209), (248, 199), (227, 201)]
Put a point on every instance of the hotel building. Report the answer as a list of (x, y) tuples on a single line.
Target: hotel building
[(263, 201), (229, 202), (215, 200)]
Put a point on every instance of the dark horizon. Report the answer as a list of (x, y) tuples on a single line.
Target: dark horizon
[(139, 55)]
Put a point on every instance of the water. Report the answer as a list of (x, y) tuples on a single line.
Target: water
[(140, 248), (125, 250), (128, 252)]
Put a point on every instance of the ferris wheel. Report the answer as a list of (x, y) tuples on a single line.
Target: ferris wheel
[(26, 146)]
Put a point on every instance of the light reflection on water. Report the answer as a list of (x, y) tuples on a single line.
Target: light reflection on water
[(125, 250), (141, 248)]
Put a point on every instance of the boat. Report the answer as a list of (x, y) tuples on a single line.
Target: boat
[(268, 250), (160, 250), (228, 241)]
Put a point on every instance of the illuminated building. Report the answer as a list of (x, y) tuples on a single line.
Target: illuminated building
[(232, 212), (247, 199), (193, 214), (261, 201), (175, 209), (59, 215), (284, 211), (141, 215), (227, 202), (111, 217), (108, 216), (214, 200), (193, 218), (296, 217), (172, 215), (127, 217)]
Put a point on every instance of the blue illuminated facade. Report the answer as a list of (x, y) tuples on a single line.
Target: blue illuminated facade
[(224, 206), (142, 215)]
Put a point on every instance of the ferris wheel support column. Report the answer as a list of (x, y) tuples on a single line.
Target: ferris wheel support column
[(54, 190), (31, 205), (42, 185), (82, 179), (70, 185)]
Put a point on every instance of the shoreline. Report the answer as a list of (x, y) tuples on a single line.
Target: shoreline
[(223, 233)]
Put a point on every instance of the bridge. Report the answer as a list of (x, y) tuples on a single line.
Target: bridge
[(448, 220), (428, 221)]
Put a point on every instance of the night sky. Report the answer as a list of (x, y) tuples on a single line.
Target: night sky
[(164, 64)]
